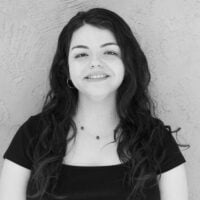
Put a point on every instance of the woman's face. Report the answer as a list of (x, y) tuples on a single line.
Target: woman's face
[(92, 46)]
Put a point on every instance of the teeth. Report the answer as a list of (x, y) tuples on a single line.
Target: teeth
[(97, 76)]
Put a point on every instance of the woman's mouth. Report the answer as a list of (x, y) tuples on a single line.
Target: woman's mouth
[(97, 78)]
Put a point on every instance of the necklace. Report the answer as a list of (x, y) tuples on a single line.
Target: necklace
[(97, 136)]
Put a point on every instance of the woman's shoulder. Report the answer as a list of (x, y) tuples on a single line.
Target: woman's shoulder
[(31, 127), (35, 122), (24, 141)]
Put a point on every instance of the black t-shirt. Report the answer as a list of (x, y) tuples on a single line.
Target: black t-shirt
[(87, 182)]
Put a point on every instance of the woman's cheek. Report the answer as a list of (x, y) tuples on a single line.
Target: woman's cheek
[(83, 61), (111, 58), (114, 62)]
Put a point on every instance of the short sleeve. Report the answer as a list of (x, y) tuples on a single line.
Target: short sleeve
[(20, 145), (172, 156)]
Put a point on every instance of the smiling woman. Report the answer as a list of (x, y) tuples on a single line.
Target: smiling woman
[(96, 136), (94, 53)]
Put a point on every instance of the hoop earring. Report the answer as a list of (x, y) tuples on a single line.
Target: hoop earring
[(68, 84)]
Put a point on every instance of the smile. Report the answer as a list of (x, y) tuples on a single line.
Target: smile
[(97, 78)]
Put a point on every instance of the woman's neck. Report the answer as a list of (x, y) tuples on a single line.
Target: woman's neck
[(97, 115)]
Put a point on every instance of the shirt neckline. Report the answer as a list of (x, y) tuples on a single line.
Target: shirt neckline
[(94, 166)]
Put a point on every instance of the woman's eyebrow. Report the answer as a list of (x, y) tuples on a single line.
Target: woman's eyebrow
[(86, 47), (109, 43), (80, 46)]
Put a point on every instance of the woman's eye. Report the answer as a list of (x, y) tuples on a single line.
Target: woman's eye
[(80, 55), (111, 53)]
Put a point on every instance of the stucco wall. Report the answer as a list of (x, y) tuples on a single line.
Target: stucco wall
[(168, 31)]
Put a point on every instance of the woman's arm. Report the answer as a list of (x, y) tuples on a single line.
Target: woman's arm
[(13, 181), (173, 184)]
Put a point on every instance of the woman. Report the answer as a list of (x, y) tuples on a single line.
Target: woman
[(96, 137)]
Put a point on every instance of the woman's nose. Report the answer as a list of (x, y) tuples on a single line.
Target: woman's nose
[(96, 62)]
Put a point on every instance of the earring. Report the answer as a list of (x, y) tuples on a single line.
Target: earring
[(68, 84)]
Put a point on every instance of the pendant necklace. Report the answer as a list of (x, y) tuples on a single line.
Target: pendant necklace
[(97, 136)]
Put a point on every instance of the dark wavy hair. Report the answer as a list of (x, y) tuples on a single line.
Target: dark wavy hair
[(138, 123)]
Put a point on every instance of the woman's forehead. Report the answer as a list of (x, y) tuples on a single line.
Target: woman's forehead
[(92, 35)]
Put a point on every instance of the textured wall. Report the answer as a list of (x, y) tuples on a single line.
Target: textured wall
[(168, 31)]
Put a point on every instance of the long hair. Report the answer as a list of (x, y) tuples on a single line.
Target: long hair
[(138, 123)]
